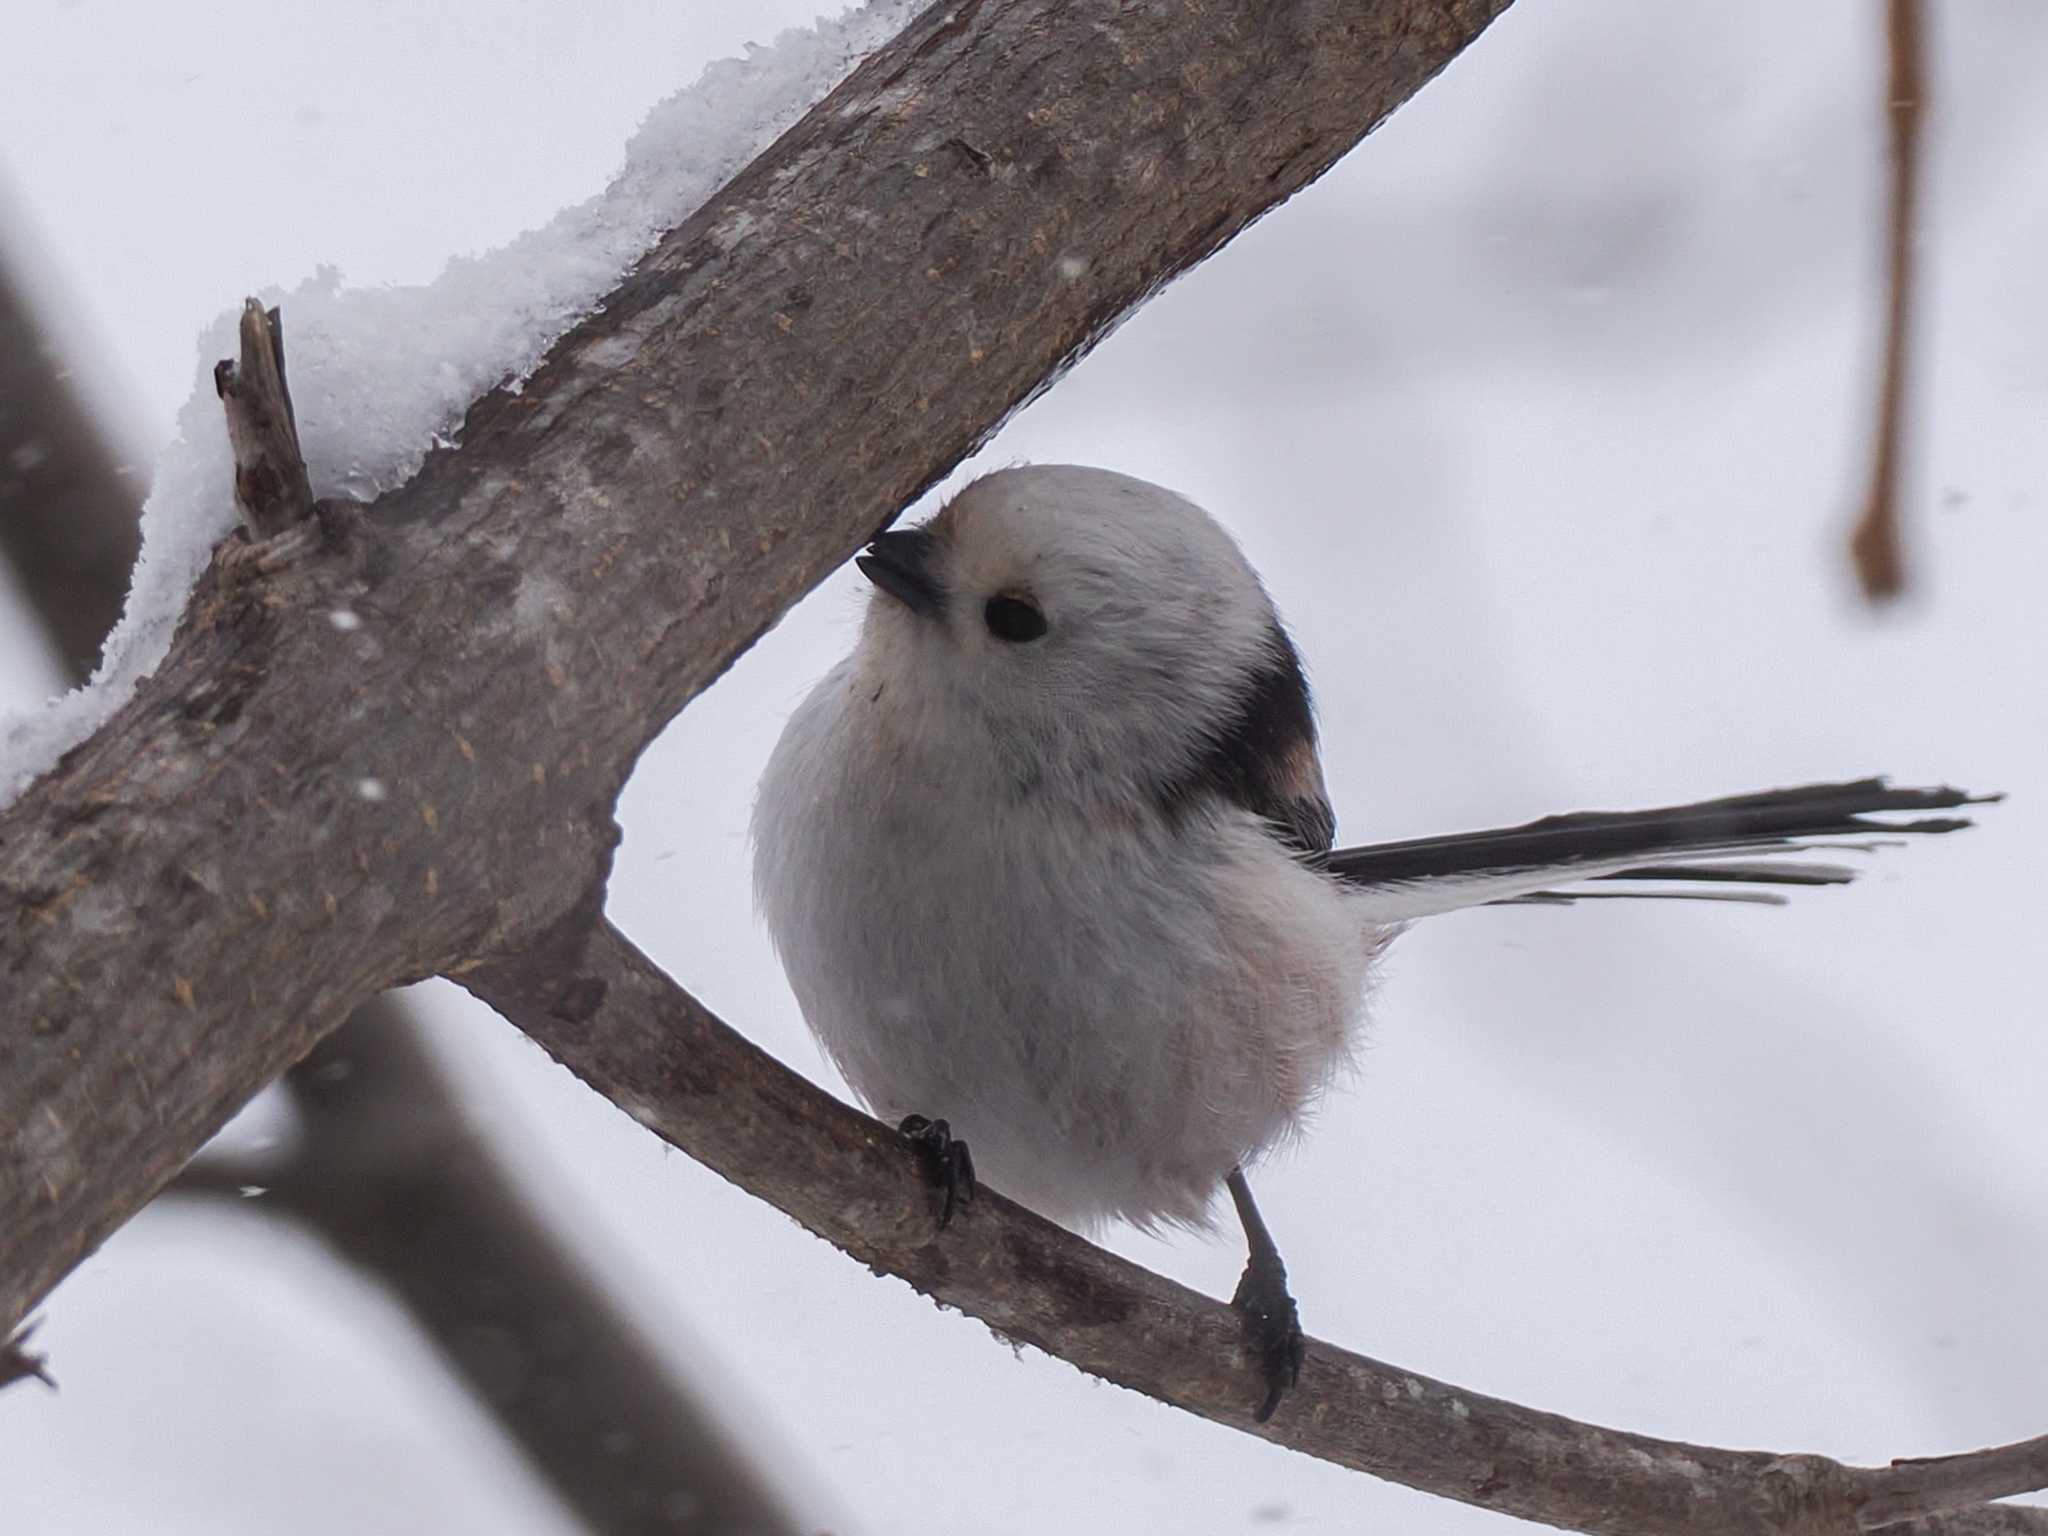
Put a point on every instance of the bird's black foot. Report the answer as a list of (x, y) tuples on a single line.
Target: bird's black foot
[(1272, 1330), (948, 1166)]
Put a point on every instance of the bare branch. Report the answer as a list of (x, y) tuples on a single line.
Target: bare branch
[(393, 1178), (67, 505), (289, 817), (1909, 1489), (1874, 544), (613, 1018)]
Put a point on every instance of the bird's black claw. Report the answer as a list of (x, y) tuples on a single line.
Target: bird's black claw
[(948, 1165), (1272, 1331)]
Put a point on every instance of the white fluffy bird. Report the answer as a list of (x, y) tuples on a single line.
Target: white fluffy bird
[(1049, 855)]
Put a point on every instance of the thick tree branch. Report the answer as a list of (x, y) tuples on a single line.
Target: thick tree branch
[(387, 1169), (292, 814), (611, 1016)]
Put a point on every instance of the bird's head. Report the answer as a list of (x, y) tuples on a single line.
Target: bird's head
[(1087, 630)]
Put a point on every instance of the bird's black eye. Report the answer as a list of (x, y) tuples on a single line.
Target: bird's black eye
[(1013, 618)]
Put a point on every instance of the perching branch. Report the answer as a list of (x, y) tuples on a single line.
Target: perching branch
[(1874, 544), (611, 1016)]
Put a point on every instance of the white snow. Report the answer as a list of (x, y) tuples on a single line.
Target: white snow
[(378, 375)]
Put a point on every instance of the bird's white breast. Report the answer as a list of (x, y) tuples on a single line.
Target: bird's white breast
[(1111, 1008)]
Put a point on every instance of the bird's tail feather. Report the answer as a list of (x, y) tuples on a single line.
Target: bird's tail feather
[(1713, 842)]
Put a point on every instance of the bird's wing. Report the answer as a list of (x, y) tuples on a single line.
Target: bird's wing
[(1263, 758), (1713, 842)]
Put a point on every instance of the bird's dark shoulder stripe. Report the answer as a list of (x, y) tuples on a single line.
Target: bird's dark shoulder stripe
[(1263, 758)]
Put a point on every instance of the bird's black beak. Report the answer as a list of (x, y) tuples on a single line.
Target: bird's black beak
[(901, 565)]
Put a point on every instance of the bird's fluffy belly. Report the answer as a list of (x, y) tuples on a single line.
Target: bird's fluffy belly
[(985, 974)]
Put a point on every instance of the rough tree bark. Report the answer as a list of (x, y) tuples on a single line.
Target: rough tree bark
[(386, 1167), (317, 810)]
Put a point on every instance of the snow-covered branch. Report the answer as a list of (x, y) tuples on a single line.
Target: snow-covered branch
[(386, 1166)]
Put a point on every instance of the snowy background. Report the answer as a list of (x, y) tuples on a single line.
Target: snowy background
[(1542, 416)]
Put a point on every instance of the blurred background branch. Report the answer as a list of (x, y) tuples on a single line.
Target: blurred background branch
[(1875, 545), (68, 516), (18, 1362), (385, 1168)]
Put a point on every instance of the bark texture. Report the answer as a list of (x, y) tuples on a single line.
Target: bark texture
[(386, 1167)]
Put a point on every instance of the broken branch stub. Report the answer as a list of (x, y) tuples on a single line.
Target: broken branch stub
[(272, 489)]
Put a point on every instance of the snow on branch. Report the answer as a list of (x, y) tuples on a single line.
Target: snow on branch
[(382, 374)]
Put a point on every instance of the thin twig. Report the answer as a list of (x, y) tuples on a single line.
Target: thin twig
[(1875, 543), (18, 1364)]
